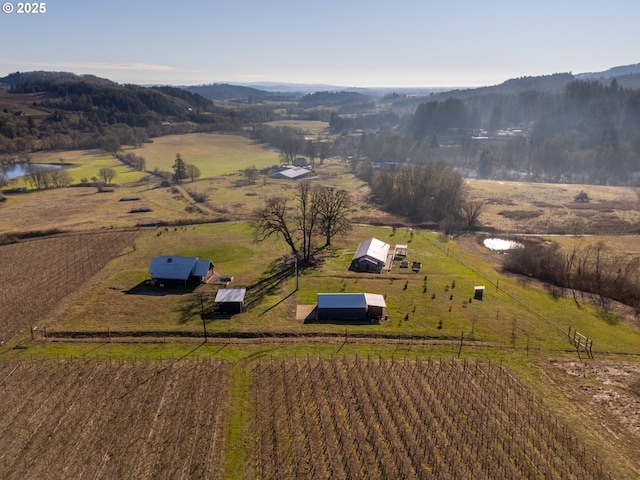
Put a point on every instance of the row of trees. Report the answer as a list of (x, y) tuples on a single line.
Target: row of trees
[(594, 268), (42, 177), (136, 162), (317, 210), (292, 143), (429, 192)]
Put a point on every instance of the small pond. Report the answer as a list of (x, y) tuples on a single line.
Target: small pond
[(501, 245), (16, 170)]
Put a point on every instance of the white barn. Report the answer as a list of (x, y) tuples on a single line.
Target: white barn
[(291, 172), (371, 256)]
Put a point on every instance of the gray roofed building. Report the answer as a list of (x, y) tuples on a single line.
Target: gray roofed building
[(230, 300), (371, 256), (291, 172), (176, 268)]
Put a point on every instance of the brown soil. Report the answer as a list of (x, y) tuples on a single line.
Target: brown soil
[(607, 392)]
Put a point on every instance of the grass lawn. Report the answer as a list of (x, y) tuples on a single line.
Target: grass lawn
[(85, 164), (434, 303)]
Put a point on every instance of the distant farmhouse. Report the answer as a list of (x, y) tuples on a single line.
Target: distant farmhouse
[(171, 269), (371, 256), (292, 172), (351, 306)]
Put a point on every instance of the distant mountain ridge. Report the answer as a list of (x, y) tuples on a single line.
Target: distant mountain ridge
[(624, 70), (628, 76), (227, 91), (42, 76)]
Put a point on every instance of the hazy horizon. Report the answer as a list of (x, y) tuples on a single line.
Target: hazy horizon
[(410, 44)]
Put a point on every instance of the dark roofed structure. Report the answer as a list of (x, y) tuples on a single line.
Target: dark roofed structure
[(350, 306), (176, 268)]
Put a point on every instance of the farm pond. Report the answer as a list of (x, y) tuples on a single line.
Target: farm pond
[(17, 170), (499, 244)]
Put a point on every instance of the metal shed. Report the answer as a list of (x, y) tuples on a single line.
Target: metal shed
[(230, 300), (350, 306), (376, 305)]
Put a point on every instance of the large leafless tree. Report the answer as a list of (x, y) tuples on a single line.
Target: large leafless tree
[(334, 208), (290, 148), (317, 210), (272, 220)]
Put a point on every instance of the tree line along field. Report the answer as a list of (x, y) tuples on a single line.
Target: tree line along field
[(292, 418)]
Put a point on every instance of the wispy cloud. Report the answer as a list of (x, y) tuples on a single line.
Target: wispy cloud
[(102, 66)]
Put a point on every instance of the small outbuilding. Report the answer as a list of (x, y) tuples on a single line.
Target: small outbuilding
[(230, 300), (350, 306), (179, 269), (478, 292), (371, 256), (291, 172)]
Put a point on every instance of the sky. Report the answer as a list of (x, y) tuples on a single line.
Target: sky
[(351, 43)]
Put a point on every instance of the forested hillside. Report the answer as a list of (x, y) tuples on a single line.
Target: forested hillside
[(45, 111), (588, 133)]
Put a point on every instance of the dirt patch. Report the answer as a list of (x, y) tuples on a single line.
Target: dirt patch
[(613, 386), (520, 214)]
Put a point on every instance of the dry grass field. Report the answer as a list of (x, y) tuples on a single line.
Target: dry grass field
[(543, 208), (228, 197)]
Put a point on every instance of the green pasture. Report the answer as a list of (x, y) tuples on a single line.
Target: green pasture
[(86, 164), (213, 154), (313, 127), (435, 303)]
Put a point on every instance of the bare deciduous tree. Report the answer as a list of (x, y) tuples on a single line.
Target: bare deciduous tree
[(290, 148), (334, 208), (192, 171), (272, 219), (107, 174), (318, 209), (250, 174), (471, 212)]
